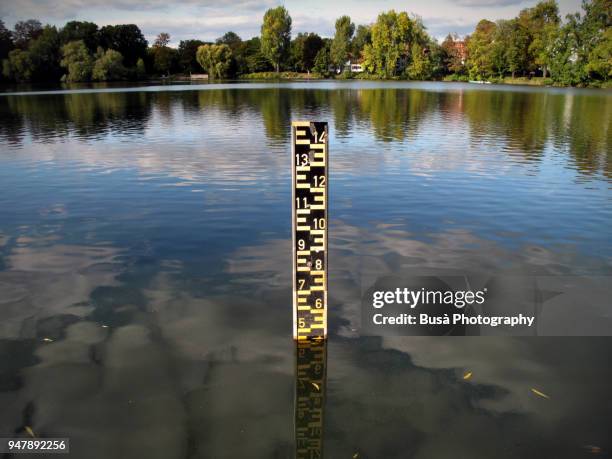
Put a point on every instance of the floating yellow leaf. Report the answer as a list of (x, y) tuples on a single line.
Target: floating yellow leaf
[(30, 432), (316, 385), (467, 376), (355, 456), (541, 394)]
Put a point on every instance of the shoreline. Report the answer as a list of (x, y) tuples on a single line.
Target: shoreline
[(507, 81), (27, 88)]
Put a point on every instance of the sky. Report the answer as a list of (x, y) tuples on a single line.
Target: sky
[(208, 19)]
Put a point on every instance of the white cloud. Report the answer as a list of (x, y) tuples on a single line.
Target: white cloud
[(205, 28), (208, 19), (50, 9)]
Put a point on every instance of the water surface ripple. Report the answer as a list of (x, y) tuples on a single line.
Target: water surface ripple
[(145, 292)]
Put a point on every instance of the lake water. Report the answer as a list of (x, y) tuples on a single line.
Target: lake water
[(145, 267)]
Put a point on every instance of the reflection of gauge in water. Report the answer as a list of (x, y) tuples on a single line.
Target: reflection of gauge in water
[(309, 220), (310, 382)]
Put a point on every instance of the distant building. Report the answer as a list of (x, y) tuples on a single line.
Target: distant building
[(354, 66), (460, 47)]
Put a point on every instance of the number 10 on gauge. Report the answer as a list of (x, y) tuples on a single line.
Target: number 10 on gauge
[(309, 219)]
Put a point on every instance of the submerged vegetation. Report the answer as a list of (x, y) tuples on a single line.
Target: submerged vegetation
[(537, 46)]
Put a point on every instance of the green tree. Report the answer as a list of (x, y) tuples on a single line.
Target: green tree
[(37, 56), (187, 55), (26, 31), (542, 23), (19, 66), (296, 49), (499, 47), (254, 58), (6, 41), (418, 33), (594, 48), (77, 61), (544, 47), (516, 48), (276, 35), (162, 40), (238, 63), (341, 43), (108, 66), (564, 68), (363, 37), (391, 39), (322, 61), (127, 39), (599, 65), (480, 50), (164, 57), (435, 55), (312, 45), (420, 66), (141, 70), (580, 40), (45, 56), (81, 30), (215, 59), (597, 19), (304, 49), (231, 39)]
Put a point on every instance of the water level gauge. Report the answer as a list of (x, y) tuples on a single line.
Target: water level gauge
[(310, 181)]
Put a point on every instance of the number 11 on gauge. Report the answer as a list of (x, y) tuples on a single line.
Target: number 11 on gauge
[(309, 221)]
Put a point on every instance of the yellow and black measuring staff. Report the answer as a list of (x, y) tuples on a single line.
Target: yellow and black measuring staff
[(309, 217)]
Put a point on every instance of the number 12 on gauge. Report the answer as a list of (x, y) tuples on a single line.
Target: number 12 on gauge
[(309, 219)]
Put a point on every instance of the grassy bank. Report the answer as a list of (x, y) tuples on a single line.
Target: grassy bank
[(541, 81), (524, 81), (280, 76), (535, 81)]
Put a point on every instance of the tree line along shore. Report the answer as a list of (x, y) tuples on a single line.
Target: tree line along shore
[(537, 47)]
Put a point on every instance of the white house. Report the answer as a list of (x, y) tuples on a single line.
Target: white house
[(352, 66)]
